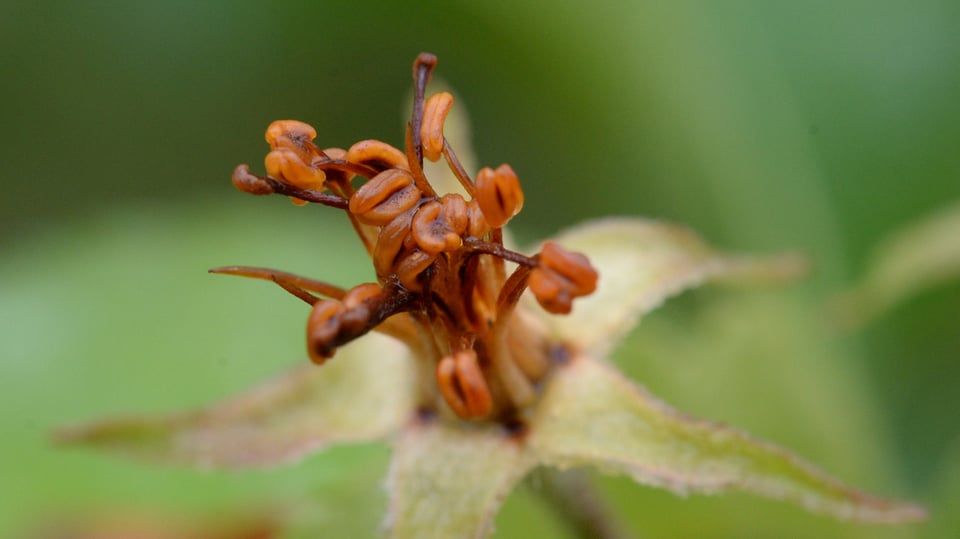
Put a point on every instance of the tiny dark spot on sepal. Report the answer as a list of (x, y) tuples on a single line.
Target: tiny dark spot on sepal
[(560, 354), (516, 429), (425, 414)]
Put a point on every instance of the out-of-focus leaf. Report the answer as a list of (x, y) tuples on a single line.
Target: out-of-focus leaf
[(914, 258), (363, 393), (591, 415), (447, 480), (641, 264)]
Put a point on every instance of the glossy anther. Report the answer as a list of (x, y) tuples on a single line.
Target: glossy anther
[(377, 155), (499, 194), (247, 182), (390, 241), (323, 328), (411, 266), (477, 225), (435, 112), (463, 385), (561, 277), (384, 197), (285, 165), (293, 135), (438, 225)]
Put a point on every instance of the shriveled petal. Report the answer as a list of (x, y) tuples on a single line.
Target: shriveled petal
[(591, 415), (448, 480), (364, 393), (642, 263), (916, 257)]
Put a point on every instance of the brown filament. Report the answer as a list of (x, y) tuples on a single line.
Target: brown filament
[(313, 285), (461, 173)]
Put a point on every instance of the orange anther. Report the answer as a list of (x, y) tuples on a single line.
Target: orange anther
[(463, 386), (323, 328), (390, 242), (499, 194), (455, 212), (550, 291), (431, 131), (432, 230), (477, 225), (561, 277), (384, 197), (293, 135), (249, 183), (358, 303), (377, 155), (411, 267), (574, 267), (285, 165)]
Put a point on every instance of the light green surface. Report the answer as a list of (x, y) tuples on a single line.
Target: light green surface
[(765, 126)]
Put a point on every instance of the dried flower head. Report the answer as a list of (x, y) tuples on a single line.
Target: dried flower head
[(489, 385)]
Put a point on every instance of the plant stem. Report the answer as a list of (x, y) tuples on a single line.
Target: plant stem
[(575, 500)]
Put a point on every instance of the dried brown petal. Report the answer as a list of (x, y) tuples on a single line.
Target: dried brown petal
[(431, 131), (384, 197), (499, 194), (463, 386), (378, 155), (250, 183)]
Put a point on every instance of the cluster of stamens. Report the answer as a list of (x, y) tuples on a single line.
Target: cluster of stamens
[(443, 285)]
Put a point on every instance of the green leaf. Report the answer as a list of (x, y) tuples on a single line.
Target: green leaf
[(642, 263), (447, 480), (363, 393), (914, 258), (592, 415)]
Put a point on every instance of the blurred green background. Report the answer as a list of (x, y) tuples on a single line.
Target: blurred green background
[(765, 125)]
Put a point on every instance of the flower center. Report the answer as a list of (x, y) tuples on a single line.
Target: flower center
[(446, 284)]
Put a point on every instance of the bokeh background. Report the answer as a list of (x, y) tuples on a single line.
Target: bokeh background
[(819, 126)]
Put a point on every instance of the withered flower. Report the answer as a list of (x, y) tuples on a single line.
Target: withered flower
[(474, 384)]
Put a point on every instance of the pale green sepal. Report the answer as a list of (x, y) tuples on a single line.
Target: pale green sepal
[(641, 263), (592, 415), (448, 479), (365, 392)]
